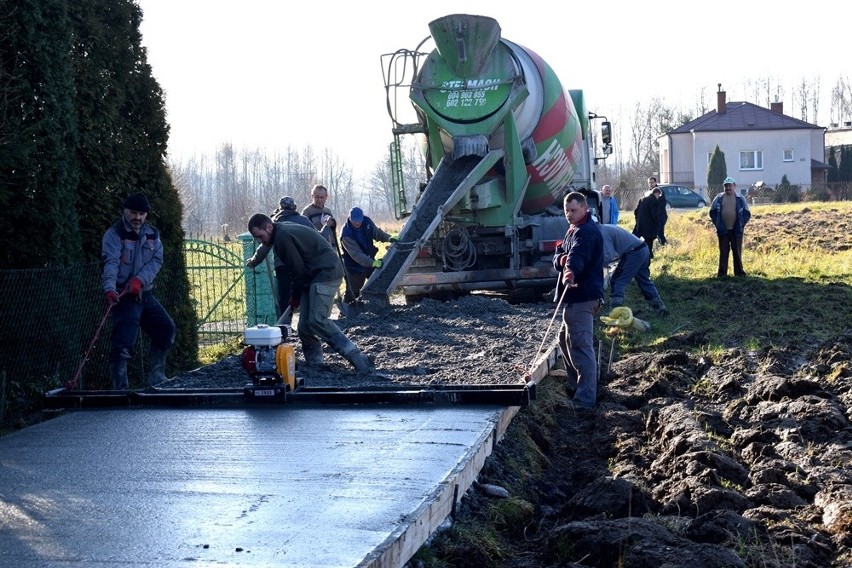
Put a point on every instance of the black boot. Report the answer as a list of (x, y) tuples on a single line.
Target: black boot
[(658, 306), (351, 353), (156, 366), (312, 351), (118, 374)]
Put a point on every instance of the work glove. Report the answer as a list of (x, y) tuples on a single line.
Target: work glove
[(393, 239), (294, 302), (112, 297), (563, 260), (135, 286), (377, 263), (568, 278)]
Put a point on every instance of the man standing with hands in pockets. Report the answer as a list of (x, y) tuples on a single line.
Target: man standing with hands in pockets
[(579, 260)]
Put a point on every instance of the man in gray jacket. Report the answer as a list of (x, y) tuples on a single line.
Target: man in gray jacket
[(132, 256), (633, 258), (316, 273)]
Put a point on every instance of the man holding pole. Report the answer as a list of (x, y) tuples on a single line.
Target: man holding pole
[(579, 289)]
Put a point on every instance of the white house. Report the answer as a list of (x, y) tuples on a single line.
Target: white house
[(760, 145)]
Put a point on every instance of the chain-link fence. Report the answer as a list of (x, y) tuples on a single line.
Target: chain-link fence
[(49, 318)]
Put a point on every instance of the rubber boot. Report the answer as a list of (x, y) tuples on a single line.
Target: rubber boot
[(351, 353), (312, 351), (658, 306), (156, 366), (118, 374)]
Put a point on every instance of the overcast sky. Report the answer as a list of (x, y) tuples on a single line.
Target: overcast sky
[(268, 74)]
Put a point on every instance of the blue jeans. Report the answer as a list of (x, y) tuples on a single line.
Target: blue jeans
[(576, 341), (633, 264), (129, 315)]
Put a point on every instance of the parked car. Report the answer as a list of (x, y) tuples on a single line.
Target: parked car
[(680, 196)]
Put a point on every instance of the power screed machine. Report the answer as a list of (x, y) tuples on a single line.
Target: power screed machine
[(270, 361)]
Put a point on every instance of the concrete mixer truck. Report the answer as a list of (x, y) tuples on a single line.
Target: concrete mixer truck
[(503, 143)]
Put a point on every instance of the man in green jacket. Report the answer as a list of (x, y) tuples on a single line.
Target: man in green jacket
[(315, 270)]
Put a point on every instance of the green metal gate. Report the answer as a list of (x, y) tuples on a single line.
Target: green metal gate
[(227, 296)]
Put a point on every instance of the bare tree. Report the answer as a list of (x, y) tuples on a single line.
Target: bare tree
[(802, 96), (193, 215), (806, 96), (815, 95), (702, 102), (841, 100), (337, 177), (301, 174), (379, 186), (646, 125)]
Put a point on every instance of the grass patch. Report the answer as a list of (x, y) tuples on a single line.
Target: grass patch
[(217, 352), (799, 261)]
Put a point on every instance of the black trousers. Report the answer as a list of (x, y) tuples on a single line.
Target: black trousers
[(354, 282), (733, 244)]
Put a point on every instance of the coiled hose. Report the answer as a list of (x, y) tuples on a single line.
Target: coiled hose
[(458, 250)]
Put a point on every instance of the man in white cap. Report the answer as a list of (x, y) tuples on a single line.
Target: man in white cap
[(359, 251), (730, 213), (132, 255)]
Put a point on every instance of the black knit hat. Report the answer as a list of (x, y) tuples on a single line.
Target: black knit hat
[(137, 202)]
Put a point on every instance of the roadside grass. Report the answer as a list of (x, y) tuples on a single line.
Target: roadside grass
[(799, 286)]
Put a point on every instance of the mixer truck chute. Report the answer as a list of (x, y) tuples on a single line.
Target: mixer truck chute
[(503, 142)]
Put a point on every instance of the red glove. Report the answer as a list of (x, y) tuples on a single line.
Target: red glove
[(294, 302), (568, 277), (135, 286), (112, 298), (563, 260)]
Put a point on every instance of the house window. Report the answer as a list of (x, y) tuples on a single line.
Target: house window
[(788, 154), (751, 160)]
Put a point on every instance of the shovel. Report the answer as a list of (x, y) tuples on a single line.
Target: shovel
[(286, 317), (347, 310)]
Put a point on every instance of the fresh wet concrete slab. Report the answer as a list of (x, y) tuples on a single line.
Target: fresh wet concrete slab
[(282, 486), (288, 486)]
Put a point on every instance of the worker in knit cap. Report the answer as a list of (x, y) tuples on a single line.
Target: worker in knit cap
[(132, 255)]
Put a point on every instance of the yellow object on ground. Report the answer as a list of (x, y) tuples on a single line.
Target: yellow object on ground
[(622, 316)]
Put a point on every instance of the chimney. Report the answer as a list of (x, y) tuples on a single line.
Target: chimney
[(777, 107), (720, 100)]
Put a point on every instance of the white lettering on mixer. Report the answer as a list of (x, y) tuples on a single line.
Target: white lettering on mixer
[(555, 167), (468, 94), (473, 84)]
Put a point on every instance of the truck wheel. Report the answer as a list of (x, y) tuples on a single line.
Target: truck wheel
[(412, 299), (522, 296)]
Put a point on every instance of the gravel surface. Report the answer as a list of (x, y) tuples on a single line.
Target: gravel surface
[(478, 339)]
